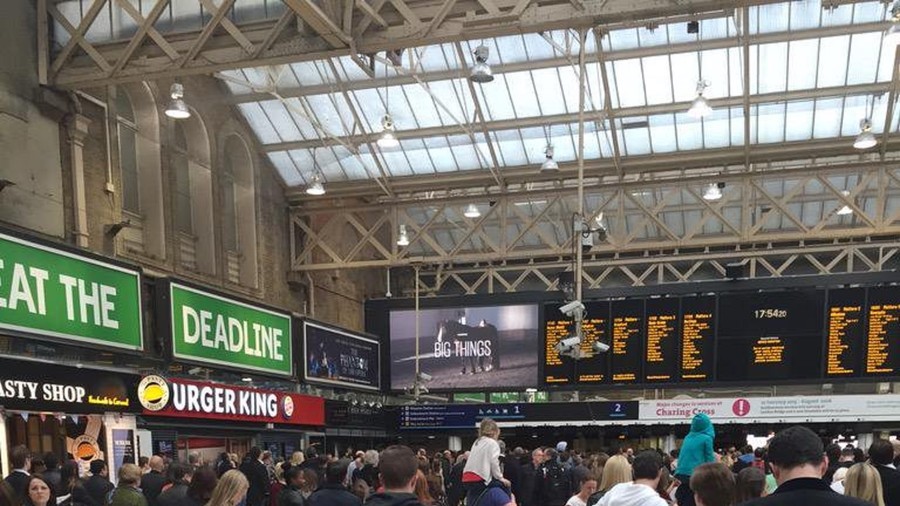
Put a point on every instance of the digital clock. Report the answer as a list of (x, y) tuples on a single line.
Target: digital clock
[(762, 314)]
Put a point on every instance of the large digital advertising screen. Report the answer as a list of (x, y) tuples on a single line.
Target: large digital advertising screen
[(340, 358), (466, 348)]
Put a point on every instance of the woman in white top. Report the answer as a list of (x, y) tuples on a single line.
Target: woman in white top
[(483, 465), (587, 487)]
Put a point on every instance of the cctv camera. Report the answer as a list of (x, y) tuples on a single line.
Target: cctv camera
[(601, 233), (587, 240), (572, 308), (600, 347), (569, 346)]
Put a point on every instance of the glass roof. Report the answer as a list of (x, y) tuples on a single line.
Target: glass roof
[(804, 62)]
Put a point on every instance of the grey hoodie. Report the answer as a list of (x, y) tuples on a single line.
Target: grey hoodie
[(632, 494)]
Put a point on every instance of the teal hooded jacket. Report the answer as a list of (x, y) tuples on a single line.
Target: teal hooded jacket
[(697, 448)]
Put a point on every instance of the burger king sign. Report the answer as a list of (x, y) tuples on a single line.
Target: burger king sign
[(194, 399)]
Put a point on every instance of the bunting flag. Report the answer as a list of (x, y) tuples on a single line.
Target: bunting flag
[(74, 419), (24, 415), (43, 417)]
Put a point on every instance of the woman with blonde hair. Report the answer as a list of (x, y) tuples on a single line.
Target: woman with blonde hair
[(231, 489), (483, 465), (864, 482), (297, 458), (617, 470)]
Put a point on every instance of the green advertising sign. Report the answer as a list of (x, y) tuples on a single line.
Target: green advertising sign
[(211, 329), (53, 292)]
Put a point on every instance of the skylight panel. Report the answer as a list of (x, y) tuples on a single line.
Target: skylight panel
[(799, 121), (662, 133), (828, 118), (629, 82), (802, 64), (549, 92), (715, 129), (684, 82), (259, 123), (863, 67), (658, 79), (805, 14), (286, 169), (525, 103), (833, 61), (772, 71), (770, 123)]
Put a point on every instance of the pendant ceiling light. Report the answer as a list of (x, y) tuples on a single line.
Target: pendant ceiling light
[(177, 109), (316, 187), (481, 71), (866, 139), (403, 239), (892, 34), (388, 139), (472, 212), (713, 191), (845, 210), (549, 164), (700, 107)]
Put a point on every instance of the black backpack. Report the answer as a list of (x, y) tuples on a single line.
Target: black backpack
[(556, 482)]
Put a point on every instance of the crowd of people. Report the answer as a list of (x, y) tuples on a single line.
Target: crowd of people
[(794, 468)]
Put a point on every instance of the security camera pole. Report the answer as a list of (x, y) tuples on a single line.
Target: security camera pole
[(576, 234), (417, 383)]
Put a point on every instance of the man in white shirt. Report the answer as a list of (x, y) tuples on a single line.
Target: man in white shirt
[(642, 491)]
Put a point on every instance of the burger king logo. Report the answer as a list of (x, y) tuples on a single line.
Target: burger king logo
[(153, 392), (287, 407)]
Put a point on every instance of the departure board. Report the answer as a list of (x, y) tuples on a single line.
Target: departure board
[(846, 332), (741, 337), (594, 367), (770, 335), (627, 317), (661, 351), (557, 370), (698, 334), (883, 337)]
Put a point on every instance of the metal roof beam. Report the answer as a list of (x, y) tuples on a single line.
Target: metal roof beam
[(563, 61), (625, 112), (464, 22), (714, 159)]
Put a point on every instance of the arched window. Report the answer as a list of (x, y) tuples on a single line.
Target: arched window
[(140, 192), (239, 213), (182, 191), (192, 195), (127, 130)]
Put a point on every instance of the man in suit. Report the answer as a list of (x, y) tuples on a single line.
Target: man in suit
[(18, 478), (881, 453), (152, 483), (797, 457), (255, 471), (98, 485)]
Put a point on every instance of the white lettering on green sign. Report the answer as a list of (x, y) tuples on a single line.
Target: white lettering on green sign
[(52, 292), (209, 328), (231, 336)]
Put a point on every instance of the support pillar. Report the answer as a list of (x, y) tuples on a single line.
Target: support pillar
[(77, 127)]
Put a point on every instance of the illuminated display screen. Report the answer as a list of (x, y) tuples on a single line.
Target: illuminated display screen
[(882, 356), (792, 335), (846, 332)]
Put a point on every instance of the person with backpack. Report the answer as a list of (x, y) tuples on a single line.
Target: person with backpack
[(553, 483)]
